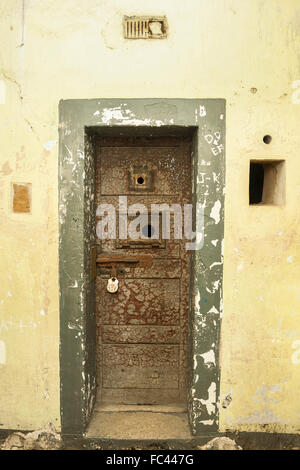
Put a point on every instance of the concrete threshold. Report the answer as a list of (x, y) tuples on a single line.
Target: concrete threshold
[(135, 422), (111, 407)]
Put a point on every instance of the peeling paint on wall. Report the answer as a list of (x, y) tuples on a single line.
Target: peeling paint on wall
[(2, 353), (50, 145), (2, 92), (215, 212), (296, 354)]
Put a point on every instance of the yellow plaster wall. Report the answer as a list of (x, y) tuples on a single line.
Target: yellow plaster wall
[(218, 49)]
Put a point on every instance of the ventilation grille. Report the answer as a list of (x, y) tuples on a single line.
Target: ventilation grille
[(145, 27)]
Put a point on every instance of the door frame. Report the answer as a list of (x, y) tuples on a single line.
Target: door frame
[(78, 121)]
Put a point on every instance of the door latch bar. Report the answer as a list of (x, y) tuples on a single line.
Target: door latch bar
[(112, 260)]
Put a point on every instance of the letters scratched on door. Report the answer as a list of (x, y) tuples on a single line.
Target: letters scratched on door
[(142, 328)]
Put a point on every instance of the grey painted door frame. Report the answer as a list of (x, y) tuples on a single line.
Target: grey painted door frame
[(78, 121)]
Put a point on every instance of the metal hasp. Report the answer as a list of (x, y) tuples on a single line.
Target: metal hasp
[(112, 260)]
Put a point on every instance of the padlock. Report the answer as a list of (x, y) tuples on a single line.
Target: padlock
[(112, 285)]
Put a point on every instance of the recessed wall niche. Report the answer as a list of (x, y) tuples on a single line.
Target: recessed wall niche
[(267, 182)]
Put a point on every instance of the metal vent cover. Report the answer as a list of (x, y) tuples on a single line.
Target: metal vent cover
[(145, 27)]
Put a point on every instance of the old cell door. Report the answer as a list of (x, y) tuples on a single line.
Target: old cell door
[(142, 328)]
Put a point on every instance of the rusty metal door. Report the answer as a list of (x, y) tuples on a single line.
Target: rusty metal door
[(142, 328)]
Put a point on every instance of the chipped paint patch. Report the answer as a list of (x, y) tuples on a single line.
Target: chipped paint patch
[(50, 145), (210, 403), (2, 353), (226, 400), (202, 111), (110, 114), (216, 263), (213, 310), (215, 287), (207, 422), (197, 303), (121, 115), (215, 212), (221, 308), (2, 92), (289, 259), (74, 286), (296, 354), (209, 357)]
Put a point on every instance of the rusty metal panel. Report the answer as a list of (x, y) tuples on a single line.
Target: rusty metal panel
[(168, 248), (141, 178), (171, 248), (141, 396), (140, 334), (140, 302), (160, 268), (145, 366), (162, 377), (118, 162), (142, 328)]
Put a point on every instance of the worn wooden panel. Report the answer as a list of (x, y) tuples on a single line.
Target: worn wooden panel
[(140, 334), (140, 301)]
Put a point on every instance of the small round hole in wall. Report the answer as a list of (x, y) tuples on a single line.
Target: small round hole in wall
[(267, 139), (140, 180)]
